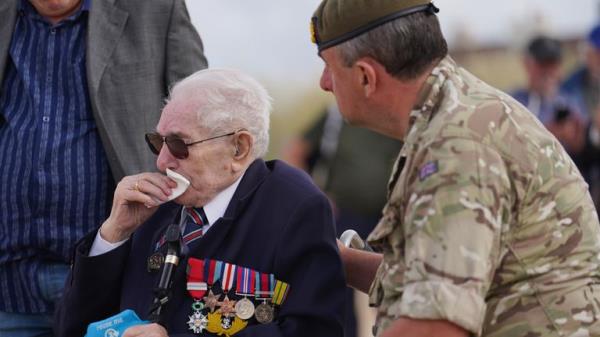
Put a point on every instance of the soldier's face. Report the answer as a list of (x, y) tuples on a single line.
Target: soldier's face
[(342, 83), (56, 10)]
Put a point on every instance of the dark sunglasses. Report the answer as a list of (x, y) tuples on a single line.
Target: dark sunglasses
[(176, 145)]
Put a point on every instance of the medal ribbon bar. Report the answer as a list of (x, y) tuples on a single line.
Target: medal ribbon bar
[(245, 281), (228, 276), (280, 292)]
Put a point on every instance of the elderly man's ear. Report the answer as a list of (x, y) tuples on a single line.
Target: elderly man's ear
[(242, 151)]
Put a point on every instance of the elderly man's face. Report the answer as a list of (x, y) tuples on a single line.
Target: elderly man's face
[(208, 166)]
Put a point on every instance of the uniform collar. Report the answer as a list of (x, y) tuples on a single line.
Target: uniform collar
[(429, 97)]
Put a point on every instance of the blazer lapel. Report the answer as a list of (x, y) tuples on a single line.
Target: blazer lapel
[(105, 26), (8, 13)]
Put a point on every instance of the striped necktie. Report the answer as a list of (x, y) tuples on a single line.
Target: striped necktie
[(196, 224)]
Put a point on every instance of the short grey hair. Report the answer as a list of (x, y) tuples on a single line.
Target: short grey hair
[(227, 100), (406, 46)]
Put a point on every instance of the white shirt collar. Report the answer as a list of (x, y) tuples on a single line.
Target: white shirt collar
[(215, 209)]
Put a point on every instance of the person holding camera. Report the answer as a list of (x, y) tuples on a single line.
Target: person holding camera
[(542, 96)]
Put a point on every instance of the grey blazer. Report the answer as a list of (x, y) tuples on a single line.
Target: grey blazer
[(135, 50)]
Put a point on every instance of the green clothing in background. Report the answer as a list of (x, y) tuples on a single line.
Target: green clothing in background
[(351, 164)]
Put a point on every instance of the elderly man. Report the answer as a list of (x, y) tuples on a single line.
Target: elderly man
[(265, 220), (489, 229)]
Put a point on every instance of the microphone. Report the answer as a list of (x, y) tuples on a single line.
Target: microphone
[(172, 258), (164, 284)]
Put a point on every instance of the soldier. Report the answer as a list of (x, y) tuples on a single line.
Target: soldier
[(489, 229)]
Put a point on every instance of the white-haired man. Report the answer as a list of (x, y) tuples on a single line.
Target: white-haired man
[(252, 229)]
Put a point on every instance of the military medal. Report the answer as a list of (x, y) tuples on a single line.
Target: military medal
[(198, 322), (212, 271), (264, 312), (154, 262), (211, 301), (196, 288), (244, 308), (216, 326), (227, 306)]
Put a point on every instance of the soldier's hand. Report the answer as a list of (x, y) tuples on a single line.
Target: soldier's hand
[(146, 330), (136, 199)]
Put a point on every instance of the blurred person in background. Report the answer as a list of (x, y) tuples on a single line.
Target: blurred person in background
[(556, 110), (583, 85), (542, 62), (351, 165), (80, 81)]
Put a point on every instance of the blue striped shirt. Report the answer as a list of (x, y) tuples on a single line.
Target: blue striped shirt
[(55, 182)]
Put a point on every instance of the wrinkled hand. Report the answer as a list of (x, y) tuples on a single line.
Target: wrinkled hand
[(146, 330), (136, 199)]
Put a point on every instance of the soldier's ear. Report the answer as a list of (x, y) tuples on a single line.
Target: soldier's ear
[(367, 76)]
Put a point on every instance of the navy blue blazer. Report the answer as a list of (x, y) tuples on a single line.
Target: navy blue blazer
[(277, 222)]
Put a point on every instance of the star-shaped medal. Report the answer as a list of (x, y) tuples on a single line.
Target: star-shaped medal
[(211, 301), (227, 307), (197, 322)]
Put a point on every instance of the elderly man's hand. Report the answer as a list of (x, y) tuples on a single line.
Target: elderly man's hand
[(146, 330), (136, 199)]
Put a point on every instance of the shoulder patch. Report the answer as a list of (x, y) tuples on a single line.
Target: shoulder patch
[(427, 170)]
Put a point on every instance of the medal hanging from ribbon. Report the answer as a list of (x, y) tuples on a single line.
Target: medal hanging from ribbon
[(244, 308), (264, 290), (212, 273), (197, 289), (227, 306)]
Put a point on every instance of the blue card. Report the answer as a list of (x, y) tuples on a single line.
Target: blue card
[(114, 326)]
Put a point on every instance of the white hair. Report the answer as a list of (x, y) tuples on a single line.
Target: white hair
[(226, 100)]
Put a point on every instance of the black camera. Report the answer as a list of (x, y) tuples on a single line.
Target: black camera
[(561, 112)]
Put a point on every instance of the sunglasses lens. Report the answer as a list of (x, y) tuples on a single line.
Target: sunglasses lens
[(177, 147), (154, 142)]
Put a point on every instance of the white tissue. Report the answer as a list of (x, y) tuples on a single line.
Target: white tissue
[(182, 184)]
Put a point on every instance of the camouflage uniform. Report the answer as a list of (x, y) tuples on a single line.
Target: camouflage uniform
[(488, 224)]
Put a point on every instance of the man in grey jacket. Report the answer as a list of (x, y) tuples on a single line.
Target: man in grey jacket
[(80, 81)]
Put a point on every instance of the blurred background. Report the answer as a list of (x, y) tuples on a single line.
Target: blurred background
[(270, 40)]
